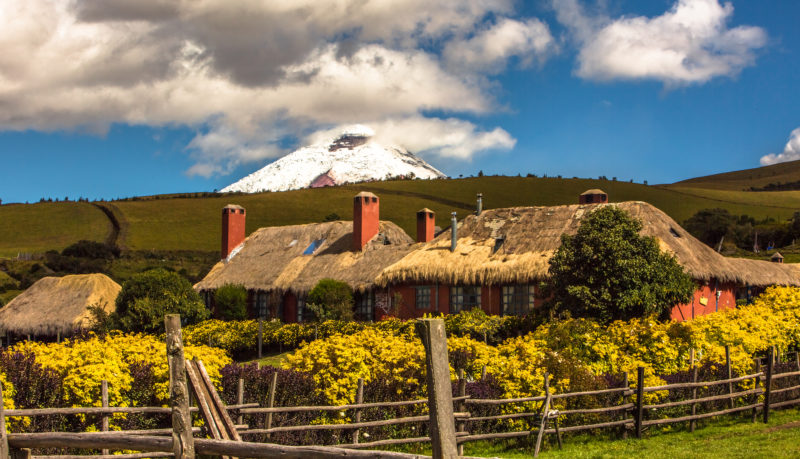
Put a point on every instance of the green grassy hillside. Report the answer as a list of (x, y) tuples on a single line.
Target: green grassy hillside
[(40, 227), (788, 172), (174, 223)]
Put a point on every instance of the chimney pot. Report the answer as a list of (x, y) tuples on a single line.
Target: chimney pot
[(480, 204), (233, 228)]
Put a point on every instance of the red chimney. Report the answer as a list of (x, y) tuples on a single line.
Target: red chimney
[(232, 228), (425, 224), (365, 219)]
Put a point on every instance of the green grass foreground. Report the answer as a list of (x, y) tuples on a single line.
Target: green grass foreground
[(733, 437)]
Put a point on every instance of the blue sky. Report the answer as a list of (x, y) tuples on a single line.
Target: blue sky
[(107, 99)]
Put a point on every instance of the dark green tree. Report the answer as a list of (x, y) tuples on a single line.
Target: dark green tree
[(331, 299), (710, 225), (231, 302), (146, 297), (608, 271)]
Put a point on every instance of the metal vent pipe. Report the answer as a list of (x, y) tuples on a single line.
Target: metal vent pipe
[(453, 232)]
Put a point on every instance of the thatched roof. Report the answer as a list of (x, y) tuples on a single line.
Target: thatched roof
[(514, 245), (58, 304), (272, 258), (593, 191)]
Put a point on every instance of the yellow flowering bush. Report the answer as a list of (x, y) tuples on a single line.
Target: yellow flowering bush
[(581, 346), (337, 363), (84, 363)]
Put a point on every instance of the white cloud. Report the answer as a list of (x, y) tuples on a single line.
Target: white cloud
[(791, 152), (445, 138), (490, 48), (248, 74), (690, 43)]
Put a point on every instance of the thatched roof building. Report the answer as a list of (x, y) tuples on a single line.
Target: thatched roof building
[(294, 258), (58, 304), (514, 245)]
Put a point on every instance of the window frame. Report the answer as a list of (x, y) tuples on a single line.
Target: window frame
[(364, 307), (459, 294), (423, 292), (517, 299)]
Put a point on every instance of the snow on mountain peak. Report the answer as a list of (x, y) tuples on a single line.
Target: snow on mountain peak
[(349, 157)]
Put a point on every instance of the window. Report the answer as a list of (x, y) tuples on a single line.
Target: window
[(365, 306), (465, 298), (313, 246), (208, 296), (423, 297), (517, 299), (303, 313), (262, 305)]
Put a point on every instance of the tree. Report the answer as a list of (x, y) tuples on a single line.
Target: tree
[(331, 299), (231, 302), (710, 225), (608, 271), (146, 297)]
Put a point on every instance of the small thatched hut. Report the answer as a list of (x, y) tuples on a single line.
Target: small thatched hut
[(58, 305)]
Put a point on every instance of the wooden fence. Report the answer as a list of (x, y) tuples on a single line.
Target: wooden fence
[(621, 409)]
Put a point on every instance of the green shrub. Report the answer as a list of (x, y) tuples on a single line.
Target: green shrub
[(608, 271), (331, 300), (7, 282), (146, 297), (91, 249), (231, 302)]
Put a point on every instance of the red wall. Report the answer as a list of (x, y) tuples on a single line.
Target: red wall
[(491, 300), (727, 300)]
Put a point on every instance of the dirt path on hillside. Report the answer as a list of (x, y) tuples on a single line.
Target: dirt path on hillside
[(119, 226)]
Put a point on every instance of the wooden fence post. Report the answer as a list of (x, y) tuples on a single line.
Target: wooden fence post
[(440, 393), (462, 406), (3, 434), (182, 441), (639, 413), (271, 400), (728, 368), (625, 400), (357, 415), (240, 400), (104, 399), (768, 383), (260, 335), (545, 413), (756, 379), (693, 422)]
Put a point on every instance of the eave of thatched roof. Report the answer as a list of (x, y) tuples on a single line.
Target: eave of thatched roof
[(514, 245), (58, 304), (272, 258)]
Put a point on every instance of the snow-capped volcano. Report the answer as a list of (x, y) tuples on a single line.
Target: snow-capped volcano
[(348, 158)]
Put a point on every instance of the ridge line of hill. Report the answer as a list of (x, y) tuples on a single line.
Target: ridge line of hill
[(412, 194), (679, 190)]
